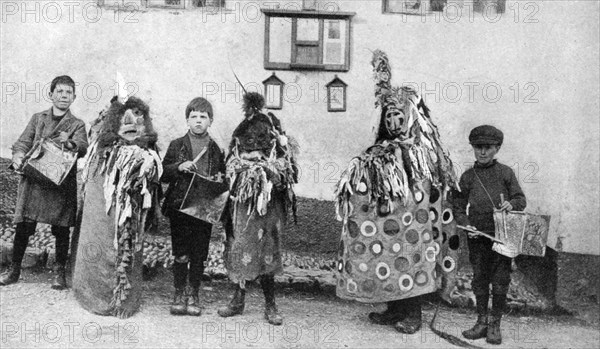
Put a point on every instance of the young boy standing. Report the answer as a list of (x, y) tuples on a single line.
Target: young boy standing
[(482, 188), (195, 152), (47, 203)]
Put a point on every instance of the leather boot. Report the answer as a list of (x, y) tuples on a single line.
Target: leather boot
[(271, 313), (60, 279), (494, 334), (479, 330), (412, 323), (193, 302), (236, 305), (178, 307), (11, 275), (23, 231), (390, 316)]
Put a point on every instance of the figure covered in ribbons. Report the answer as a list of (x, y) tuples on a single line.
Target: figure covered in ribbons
[(261, 172), (399, 236), (121, 187)]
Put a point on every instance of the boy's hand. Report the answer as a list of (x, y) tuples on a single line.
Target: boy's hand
[(187, 166), (63, 137), (470, 233), (506, 206)]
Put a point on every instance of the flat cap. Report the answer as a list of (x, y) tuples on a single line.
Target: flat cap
[(486, 135)]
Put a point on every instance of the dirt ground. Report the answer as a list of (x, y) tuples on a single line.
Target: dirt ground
[(32, 315)]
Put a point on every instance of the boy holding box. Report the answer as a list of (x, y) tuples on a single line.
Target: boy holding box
[(483, 188), (195, 152)]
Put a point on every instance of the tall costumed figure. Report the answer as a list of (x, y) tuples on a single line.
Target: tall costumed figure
[(399, 238), (121, 191), (261, 171)]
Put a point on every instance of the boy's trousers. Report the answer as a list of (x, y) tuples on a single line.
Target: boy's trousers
[(190, 238), (488, 267)]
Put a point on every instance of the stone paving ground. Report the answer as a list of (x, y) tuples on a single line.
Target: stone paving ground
[(34, 316)]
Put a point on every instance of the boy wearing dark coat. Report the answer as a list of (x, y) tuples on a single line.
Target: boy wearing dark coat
[(47, 203), (483, 188), (195, 152)]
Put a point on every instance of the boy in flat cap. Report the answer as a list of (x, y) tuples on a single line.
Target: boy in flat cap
[(482, 187)]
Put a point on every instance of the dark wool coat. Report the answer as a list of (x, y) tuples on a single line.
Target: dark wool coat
[(497, 179), (180, 150), (44, 203)]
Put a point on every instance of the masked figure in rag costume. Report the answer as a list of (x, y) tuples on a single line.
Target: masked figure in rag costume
[(121, 191), (261, 172), (399, 235)]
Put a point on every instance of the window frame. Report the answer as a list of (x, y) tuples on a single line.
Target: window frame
[(293, 15)]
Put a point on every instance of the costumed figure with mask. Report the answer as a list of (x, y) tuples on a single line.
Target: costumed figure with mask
[(121, 191), (261, 172), (399, 237)]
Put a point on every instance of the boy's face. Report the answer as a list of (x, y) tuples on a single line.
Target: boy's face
[(199, 122), (485, 153), (62, 97)]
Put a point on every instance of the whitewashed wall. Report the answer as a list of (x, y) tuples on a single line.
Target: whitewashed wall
[(541, 57)]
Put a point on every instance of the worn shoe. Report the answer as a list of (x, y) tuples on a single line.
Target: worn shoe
[(479, 330), (193, 303), (494, 334), (272, 314), (178, 307), (235, 306), (412, 323), (10, 276), (394, 313), (60, 279)]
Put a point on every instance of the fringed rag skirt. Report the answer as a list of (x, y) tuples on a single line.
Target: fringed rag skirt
[(253, 246), (95, 274)]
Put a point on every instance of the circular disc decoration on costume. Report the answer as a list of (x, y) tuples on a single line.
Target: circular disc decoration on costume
[(430, 254), (454, 242), (405, 282), (376, 248), (407, 218), (437, 248), (383, 209), (401, 264), (391, 227), (448, 264), (421, 278), (426, 236), (382, 271), (433, 214), (361, 188), (447, 216), (418, 196), (368, 286), (353, 229), (368, 228), (416, 258), (396, 247), (348, 267), (436, 232), (351, 286), (434, 195), (411, 236), (363, 267), (365, 208), (358, 247), (422, 216)]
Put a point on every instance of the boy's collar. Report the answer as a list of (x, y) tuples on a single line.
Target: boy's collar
[(192, 134), (490, 164)]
